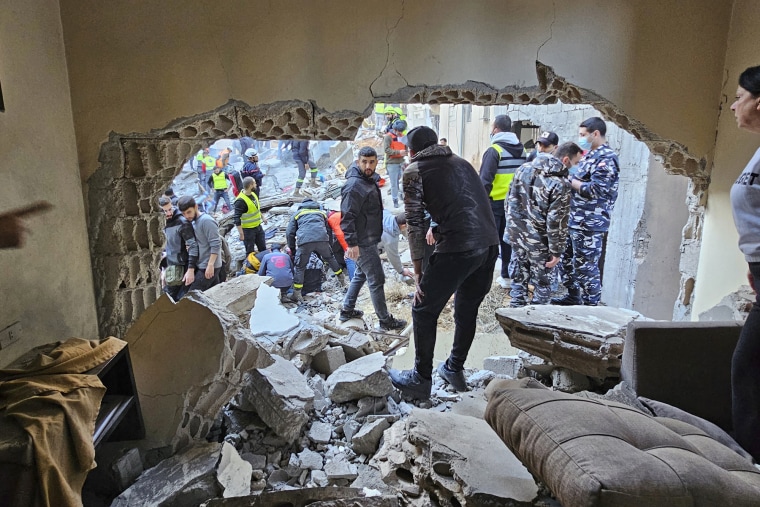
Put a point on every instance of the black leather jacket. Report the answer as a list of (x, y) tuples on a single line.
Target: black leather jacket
[(449, 188)]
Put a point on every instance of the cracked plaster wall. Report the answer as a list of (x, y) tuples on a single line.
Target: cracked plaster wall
[(134, 69)]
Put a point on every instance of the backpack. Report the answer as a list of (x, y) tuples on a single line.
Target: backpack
[(251, 264)]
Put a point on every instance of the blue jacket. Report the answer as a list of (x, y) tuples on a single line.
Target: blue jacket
[(279, 266), (591, 206)]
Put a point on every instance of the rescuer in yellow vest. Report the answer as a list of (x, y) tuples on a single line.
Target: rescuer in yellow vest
[(219, 182), (248, 217), (497, 169)]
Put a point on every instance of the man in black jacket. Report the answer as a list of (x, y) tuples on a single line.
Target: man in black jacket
[(181, 247), (466, 249), (301, 157), (362, 224)]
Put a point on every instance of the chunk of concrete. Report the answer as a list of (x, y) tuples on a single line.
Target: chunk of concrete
[(188, 360), (238, 295), (329, 360), (437, 450), (320, 432), (311, 460), (735, 306), (312, 497), (233, 473), (281, 396), (308, 341), (269, 317), (503, 365), (319, 477), (585, 339), (171, 479), (368, 437), (366, 376), (354, 344), (340, 468), (569, 381), (257, 461)]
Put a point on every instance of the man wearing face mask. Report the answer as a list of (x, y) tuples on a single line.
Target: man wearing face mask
[(538, 207), (595, 189), (497, 169)]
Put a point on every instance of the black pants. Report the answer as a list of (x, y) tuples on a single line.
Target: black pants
[(501, 224), (254, 239), (201, 282), (745, 378), (303, 254), (469, 274)]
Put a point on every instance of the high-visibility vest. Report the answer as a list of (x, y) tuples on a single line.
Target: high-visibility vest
[(220, 181), (252, 217), (505, 172), (308, 211), (206, 160), (396, 145)]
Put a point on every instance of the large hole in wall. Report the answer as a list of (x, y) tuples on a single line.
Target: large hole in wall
[(125, 223)]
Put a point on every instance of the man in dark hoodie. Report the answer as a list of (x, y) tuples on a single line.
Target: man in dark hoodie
[(300, 150), (307, 233), (466, 248), (181, 247), (538, 208), (362, 224), (497, 169)]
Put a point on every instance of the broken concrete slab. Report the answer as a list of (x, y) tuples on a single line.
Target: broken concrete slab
[(329, 360), (368, 437), (308, 341), (185, 378), (585, 339), (354, 344), (435, 451), (173, 479), (257, 461), (311, 460), (269, 317), (569, 381), (233, 473), (281, 396), (340, 468), (238, 295), (311, 497), (320, 432), (734, 306), (503, 365), (367, 376)]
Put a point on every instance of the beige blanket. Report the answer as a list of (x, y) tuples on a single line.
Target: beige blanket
[(47, 393)]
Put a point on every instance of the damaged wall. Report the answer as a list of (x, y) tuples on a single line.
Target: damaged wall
[(722, 268), (46, 285)]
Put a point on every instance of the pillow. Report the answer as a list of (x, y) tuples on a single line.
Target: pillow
[(606, 454)]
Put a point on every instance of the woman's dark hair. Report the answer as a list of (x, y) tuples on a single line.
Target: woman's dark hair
[(750, 80)]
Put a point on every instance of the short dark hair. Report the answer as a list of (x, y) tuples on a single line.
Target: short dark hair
[(503, 122), (169, 191), (443, 140), (595, 123), (367, 151), (163, 201), (248, 182), (568, 149), (275, 246), (750, 80), (185, 203), (400, 219)]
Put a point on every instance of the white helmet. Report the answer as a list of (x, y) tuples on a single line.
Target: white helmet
[(250, 152)]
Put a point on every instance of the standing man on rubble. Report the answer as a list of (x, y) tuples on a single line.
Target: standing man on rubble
[(395, 151), (251, 169), (538, 207), (307, 233), (466, 248), (595, 190), (300, 150), (205, 273), (500, 161), (205, 162), (248, 218), (181, 248), (362, 224), (219, 181)]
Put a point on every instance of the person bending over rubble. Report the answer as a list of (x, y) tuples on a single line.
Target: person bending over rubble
[(209, 247), (393, 227), (537, 209), (307, 233), (279, 266), (466, 249), (362, 224)]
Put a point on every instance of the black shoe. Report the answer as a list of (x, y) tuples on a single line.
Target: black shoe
[(455, 378), (411, 384), (567, 300), (350, 314), (392, 324)]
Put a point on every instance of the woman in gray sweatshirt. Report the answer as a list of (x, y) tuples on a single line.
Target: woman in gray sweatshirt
[(745, 203)]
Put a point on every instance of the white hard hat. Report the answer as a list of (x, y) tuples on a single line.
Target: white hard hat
[(250, 152)]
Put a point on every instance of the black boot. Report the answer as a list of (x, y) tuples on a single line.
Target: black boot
[(411, 384), (573, 297)]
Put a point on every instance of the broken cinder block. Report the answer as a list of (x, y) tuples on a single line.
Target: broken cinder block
[(329, 360), (366, 376)]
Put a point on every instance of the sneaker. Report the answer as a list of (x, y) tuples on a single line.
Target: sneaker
[(392, 324), (350, 314), (411, 384), (567, 300), (395, 203), (503, 282), (455, 378)]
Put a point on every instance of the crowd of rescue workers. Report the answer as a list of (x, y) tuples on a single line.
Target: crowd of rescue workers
[(544, 213)]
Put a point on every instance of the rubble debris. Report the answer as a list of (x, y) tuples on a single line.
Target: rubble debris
[(432, 452), (186, 478), (310, 460), (233, 473), (309, 341), (281, 397), (329, 360), (354, 344), (320, 432), (569, 381), (209, 351), (311, 497), (366, 376), (734, 306), (268, 316), (368, 437), (340, 468), (238, 295), (585, 339), (503, 365)]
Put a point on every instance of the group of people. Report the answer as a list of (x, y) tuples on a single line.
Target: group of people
[(216, 175)]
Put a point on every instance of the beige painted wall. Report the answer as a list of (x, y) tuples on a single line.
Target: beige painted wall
[(47, 285), (721, 266), (136, 65)]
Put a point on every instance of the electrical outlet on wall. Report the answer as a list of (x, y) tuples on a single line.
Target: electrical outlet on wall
[(10, 334)]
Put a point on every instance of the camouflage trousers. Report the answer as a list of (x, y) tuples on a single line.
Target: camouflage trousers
[(526, 266), (580, 265)]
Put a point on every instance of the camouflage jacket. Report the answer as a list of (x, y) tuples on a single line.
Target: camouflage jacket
[(538, 205), (591, 206)]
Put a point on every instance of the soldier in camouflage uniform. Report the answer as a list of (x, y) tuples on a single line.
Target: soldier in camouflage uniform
[(595, 189), (537, 212)]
